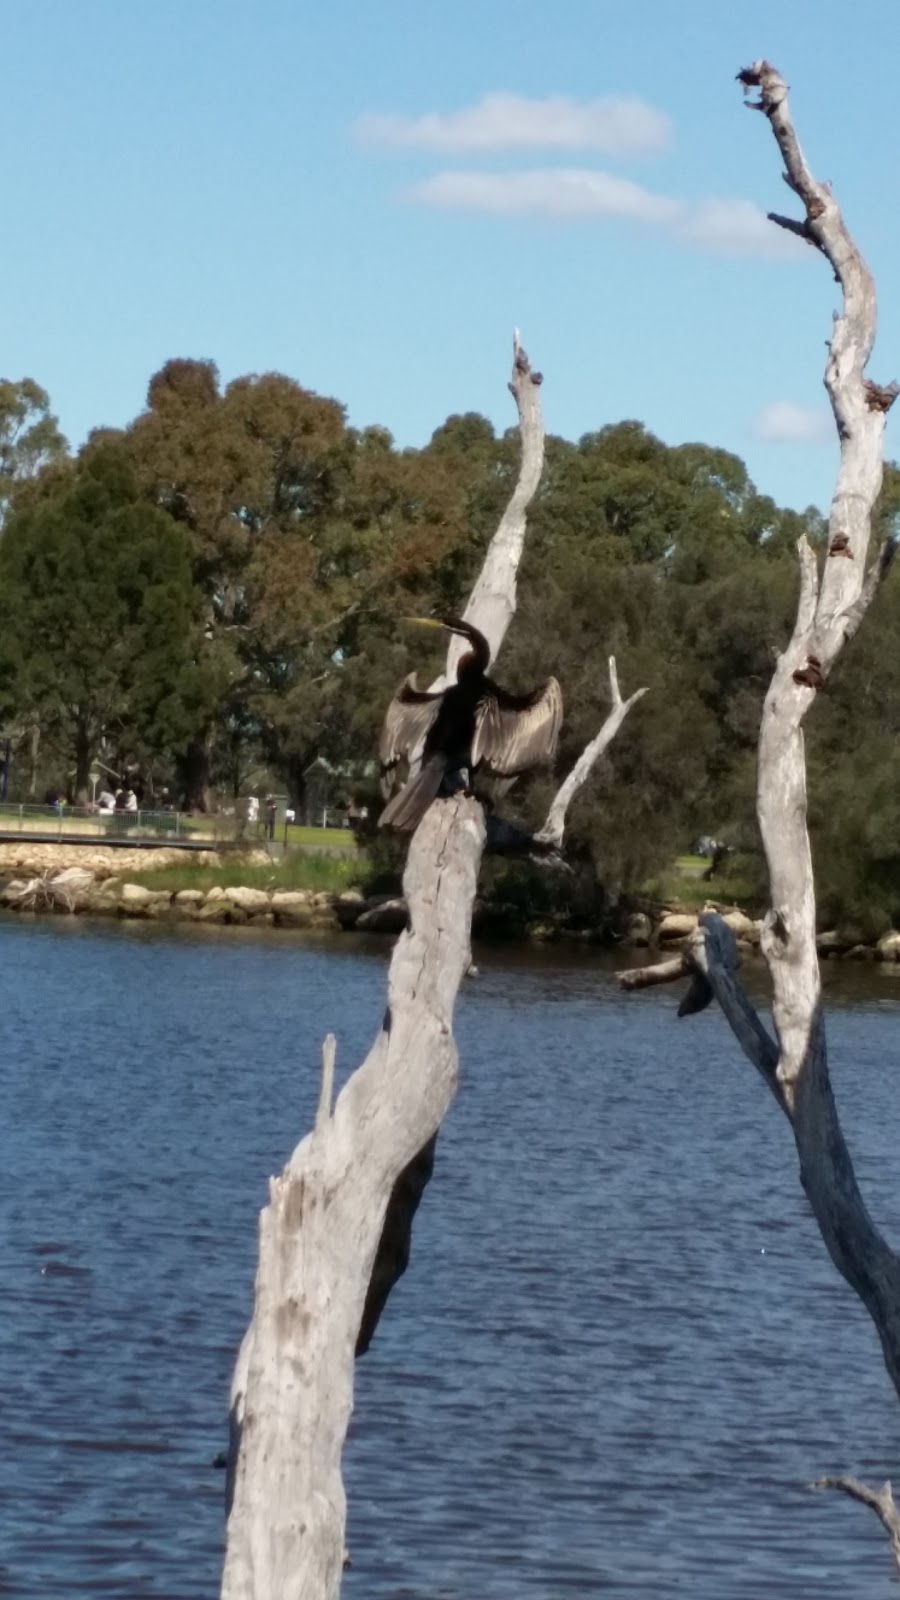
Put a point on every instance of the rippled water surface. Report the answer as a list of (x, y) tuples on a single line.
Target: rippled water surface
[(618, 1356)]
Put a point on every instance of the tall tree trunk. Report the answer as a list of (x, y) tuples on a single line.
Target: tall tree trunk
[(84, 755), (335, 1234), (833, 601), (34, 746), (297, 789), (194, 775)]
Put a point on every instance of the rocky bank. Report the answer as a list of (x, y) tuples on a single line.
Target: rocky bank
[(41, 877)]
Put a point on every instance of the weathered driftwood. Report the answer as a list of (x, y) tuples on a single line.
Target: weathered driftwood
[(881, 1501), (50, 891), (335, 1233), (832, 604), (669, 971)]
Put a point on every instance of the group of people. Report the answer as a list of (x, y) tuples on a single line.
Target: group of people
[(122, 800)]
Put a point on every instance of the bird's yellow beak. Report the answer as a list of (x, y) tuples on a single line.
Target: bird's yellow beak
[(425, 622)]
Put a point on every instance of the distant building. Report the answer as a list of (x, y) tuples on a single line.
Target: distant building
[(329, 789)]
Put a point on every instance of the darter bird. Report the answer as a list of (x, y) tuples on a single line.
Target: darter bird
[(473, 726)]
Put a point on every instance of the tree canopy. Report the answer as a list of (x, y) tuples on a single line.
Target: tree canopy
[(216, 590), (99, 639), (30, 440)]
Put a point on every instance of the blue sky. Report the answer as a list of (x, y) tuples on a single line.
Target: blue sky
[(370, 194)]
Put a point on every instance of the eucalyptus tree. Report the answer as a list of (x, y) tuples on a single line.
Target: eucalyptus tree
[(99, 632), (30, 439)]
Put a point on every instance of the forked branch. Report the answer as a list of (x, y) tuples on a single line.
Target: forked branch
[(554, 827), (832, 604), (507, 838)]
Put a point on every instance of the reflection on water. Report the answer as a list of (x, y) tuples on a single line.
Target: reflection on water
[(620, 1352)]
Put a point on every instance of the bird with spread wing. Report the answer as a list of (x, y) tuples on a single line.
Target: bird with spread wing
[(472, 726)]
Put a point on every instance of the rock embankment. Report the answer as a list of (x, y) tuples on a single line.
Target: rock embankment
[(103, 860), (76, 890), (95, 892), (675, 925)]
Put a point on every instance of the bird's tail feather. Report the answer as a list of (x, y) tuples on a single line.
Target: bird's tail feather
[(407, 808)]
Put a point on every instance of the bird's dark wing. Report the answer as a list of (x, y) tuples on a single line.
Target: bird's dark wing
[(514, 732), (406, 722)]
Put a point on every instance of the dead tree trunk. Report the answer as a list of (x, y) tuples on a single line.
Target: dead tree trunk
[(320, 1234), (834, 598)]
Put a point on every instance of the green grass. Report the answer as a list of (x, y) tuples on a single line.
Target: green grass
[(297, 835), (296, 870), (734, 884), (341, 838)]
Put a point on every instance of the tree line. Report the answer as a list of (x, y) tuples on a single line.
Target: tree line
[(217, 590)]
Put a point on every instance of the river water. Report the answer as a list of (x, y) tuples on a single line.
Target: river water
[(620, 1352)]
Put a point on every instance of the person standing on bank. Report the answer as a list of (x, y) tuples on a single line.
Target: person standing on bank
[(271, 812)]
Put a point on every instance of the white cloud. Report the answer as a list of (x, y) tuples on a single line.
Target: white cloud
[(617, 125), (724, 227), (738, 228), (547, 192), (782, 422)]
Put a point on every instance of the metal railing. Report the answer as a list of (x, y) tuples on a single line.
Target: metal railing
[(63, 821), (60, 821)]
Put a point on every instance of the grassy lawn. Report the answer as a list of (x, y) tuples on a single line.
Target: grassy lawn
[(297, 835), (735, 883), (296, 870), (339, 838)]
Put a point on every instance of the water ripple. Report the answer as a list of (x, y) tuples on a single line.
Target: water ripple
[(620, 1353)]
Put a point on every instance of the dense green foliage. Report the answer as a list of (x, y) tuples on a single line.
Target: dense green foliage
[(210, 599), (30, 440)]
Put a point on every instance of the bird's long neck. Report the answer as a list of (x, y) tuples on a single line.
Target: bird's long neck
[(469, 669), (478, 657)]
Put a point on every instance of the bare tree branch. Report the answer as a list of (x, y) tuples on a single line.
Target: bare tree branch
[(492, 603), (831, 607), (508, 838), (670, 971), (713, 948), (329, 1050), (791, 225), (335, 1234), (789, 935), (553, 829), (881, 1501)]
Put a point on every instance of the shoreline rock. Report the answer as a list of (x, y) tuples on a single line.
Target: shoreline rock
[(83, 891)]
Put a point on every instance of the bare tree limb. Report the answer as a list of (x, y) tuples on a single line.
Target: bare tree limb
[(335, 1234), (809, 587), (507, 838), (670, 971), (551, 833), (318, 1238), (329, 1050), (831, 607), (881, 1501), (874, 578), (791, 225), (714, 951), (789, 935), (492, 603)]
